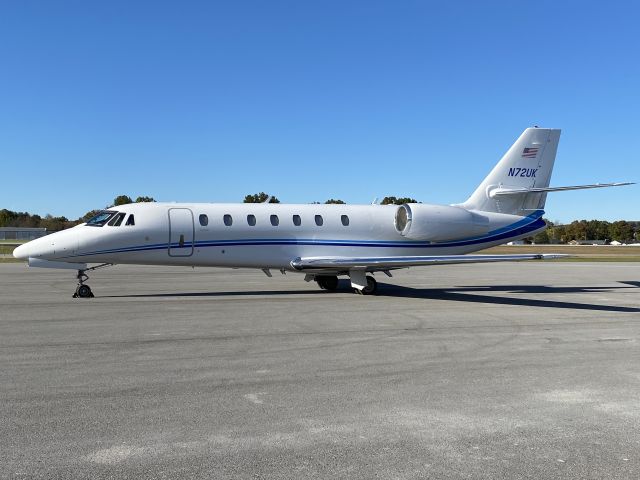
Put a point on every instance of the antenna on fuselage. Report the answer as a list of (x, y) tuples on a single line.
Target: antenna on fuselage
[(268, 199)]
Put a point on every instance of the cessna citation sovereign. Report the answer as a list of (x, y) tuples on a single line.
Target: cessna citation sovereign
[(321, 241)]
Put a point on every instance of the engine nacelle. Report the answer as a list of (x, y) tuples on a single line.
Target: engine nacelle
[(438, 223)]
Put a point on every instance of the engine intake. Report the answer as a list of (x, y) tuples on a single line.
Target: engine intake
[(438, 223)]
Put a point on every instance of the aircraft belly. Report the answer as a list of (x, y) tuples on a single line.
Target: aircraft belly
[(273, 256)]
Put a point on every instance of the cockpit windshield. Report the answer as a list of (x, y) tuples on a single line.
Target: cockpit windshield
[(116, 220), (101, 218)]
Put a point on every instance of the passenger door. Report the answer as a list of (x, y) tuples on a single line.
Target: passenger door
[(181, 232)]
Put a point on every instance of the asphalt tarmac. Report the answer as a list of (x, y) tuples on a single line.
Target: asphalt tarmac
[(476, 371)]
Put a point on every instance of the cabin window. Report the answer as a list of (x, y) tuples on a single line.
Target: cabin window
[(345, 220), (228, 220), (319, 220), (116, 221), (100, 218), (130, 221), (275, 221), (251, 220), (297, 221), (204, 220)]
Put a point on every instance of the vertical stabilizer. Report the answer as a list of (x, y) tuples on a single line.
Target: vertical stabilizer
[(528, 163)]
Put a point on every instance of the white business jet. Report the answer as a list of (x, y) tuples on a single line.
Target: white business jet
[(321, 241)]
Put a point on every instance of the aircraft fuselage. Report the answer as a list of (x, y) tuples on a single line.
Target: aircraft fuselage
[(257, 235)]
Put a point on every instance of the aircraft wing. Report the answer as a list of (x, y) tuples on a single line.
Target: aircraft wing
[(372, 264)]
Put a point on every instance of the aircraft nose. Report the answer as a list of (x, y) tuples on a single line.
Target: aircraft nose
[(22, 252), (35, 248), (50, 247), (44, 247)]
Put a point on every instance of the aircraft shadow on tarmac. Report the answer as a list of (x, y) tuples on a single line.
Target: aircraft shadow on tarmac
[(466, 294), (452, 294)]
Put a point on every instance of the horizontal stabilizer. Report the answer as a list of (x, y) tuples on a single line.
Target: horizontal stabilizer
[(372, 264), (517, 191)]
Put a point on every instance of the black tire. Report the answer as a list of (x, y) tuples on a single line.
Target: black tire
[(327, 282), (84, 291), (371, 287)]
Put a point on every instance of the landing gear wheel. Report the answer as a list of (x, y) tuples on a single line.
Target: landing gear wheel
[(83, 291), (327, 282), (371, 287)]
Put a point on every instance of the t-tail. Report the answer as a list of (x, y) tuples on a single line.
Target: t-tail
[(519, 183), (527, 164)]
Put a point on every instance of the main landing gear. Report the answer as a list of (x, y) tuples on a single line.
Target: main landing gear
[(330, 283), (327, 282), (82, 290), (371, 287)]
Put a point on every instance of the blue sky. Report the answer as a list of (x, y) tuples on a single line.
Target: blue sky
[(208, 101)]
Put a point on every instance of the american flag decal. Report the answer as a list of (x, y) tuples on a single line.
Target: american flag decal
[(530, 152)]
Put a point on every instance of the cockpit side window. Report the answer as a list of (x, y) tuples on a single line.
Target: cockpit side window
[(130, 221), (101, 218), (116, 221)]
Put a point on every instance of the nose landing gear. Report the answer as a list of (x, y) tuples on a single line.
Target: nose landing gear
[(82, 290)]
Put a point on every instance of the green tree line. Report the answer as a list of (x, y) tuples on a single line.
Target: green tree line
[(262, 197), (9, 218), (622, 231)]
